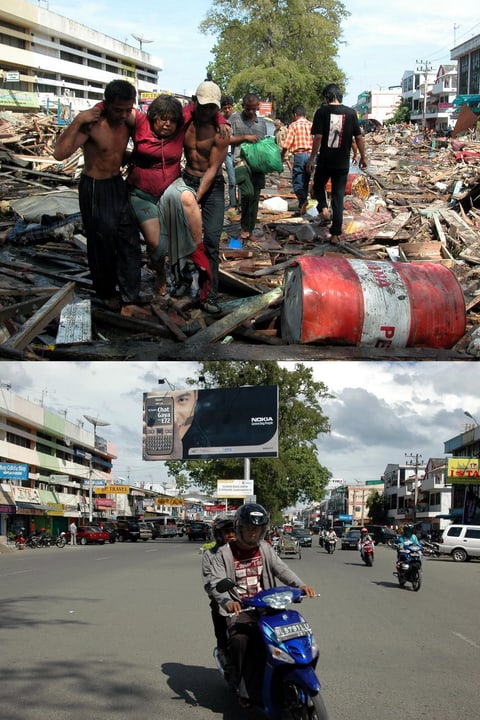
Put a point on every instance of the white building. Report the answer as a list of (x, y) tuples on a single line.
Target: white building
[(377, 104), (45, 56)]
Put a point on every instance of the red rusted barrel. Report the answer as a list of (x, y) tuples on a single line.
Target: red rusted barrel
[(381, 304)]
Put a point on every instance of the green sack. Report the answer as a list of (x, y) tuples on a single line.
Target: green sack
[(263, 156)]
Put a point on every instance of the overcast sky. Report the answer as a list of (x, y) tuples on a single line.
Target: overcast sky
[(381, 39), (380, 410)]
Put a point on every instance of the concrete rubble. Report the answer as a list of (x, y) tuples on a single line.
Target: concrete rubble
[(418, 202)]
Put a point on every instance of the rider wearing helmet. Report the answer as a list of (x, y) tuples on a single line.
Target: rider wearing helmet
[(223, 531), (365, 537), (253, 565), (408, 537)]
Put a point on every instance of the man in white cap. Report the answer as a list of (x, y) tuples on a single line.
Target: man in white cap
[(205, 151)]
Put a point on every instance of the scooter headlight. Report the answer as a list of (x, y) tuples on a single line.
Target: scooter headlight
[(279, 601)]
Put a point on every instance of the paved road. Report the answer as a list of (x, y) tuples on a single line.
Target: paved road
[(123, 631)]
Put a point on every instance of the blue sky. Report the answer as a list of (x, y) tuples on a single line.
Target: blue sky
[(381, 39), (379, 411)]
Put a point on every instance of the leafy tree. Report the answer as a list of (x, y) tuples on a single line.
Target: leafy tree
[(296, 475), (400, 114), (376, 508), (283, 50)]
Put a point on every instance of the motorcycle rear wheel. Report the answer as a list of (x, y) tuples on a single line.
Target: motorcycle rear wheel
[(301, 706)]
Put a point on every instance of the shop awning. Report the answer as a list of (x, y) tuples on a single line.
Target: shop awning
[(467, 100), (452, 515), (31, 506)]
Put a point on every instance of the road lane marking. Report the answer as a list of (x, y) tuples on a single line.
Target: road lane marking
[(465, 639)]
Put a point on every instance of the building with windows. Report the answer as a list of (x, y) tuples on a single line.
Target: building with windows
[(46, 58)]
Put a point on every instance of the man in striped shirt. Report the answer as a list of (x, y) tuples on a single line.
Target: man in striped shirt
[(298, 142)]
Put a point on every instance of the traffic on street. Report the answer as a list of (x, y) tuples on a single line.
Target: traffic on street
[(116, 631)]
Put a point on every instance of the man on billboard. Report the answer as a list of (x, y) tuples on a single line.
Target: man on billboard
[(213, 423)]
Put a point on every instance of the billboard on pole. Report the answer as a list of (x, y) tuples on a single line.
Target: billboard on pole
[(211, 423)]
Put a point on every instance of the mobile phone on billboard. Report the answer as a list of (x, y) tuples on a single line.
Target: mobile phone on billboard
[(159, 426)]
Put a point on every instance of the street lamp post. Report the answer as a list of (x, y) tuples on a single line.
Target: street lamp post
[(472, 417)]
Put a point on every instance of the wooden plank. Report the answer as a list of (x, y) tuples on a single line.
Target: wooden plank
[(75, 324), (41, 318), (23, 308), (249, 308), (390, 230), (173, 327)]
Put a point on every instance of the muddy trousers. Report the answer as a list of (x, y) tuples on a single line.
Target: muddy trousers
[(113, 244), (250, 185), (213, 218), (339, 183)]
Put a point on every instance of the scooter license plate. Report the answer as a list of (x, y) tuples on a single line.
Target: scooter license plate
[(287, 632)]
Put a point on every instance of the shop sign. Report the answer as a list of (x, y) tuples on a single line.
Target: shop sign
[(13, 471)]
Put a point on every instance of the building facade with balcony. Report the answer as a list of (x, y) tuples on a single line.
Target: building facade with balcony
[(47, 58), (53, 470)]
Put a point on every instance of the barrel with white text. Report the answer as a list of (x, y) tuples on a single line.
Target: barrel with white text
[(340, 301)]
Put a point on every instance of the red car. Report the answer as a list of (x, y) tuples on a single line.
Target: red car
[(90, 534)]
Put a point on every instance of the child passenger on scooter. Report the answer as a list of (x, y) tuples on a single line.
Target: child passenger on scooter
[(253, 565), (223, 532)]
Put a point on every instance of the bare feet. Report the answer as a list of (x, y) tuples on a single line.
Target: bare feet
[(334, 239), (325, 213)]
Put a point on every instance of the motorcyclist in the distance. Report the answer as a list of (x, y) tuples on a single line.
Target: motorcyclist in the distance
[(365, 537), (253, 565)]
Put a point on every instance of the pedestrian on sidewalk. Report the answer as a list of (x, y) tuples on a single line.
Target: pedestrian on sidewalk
[(73, 533)]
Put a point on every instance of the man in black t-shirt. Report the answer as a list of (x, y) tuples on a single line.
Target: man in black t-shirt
[(334, 128)]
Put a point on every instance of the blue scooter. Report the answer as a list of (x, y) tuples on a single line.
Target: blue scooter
[(290, 687)]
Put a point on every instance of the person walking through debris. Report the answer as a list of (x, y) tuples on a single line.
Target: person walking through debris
[(298, 142), (248, 127), (226, 106), (334, 126), (113, 247), (205, 151), (158, 138), (279, 133)]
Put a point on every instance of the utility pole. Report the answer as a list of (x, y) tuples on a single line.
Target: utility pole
[(424, 66), (416, 461)]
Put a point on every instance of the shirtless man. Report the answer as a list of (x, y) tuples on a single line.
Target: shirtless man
[(113, 245), (205, 151)]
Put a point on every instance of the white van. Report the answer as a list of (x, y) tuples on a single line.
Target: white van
[(462, 542)]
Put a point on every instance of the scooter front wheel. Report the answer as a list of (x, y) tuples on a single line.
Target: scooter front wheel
[(417, 581), (299, 705)]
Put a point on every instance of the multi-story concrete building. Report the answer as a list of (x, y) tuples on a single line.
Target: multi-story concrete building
[(377, 104), (47, 58)]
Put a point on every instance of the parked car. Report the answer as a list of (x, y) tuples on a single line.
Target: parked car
[(303, 536), (153, 527), (350, 539), (89, 535), (145, 531), (462, 542), (199, 531), (128, 530), (110, 528)]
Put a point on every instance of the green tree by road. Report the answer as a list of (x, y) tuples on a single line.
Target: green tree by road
[(296, 475), (283, 50)]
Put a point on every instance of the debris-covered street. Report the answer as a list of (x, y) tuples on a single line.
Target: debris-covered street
[(284, 293)]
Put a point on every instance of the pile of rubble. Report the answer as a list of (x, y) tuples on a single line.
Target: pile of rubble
[(418, 202)]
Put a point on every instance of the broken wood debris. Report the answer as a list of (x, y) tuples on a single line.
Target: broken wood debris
[(423, 205)]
